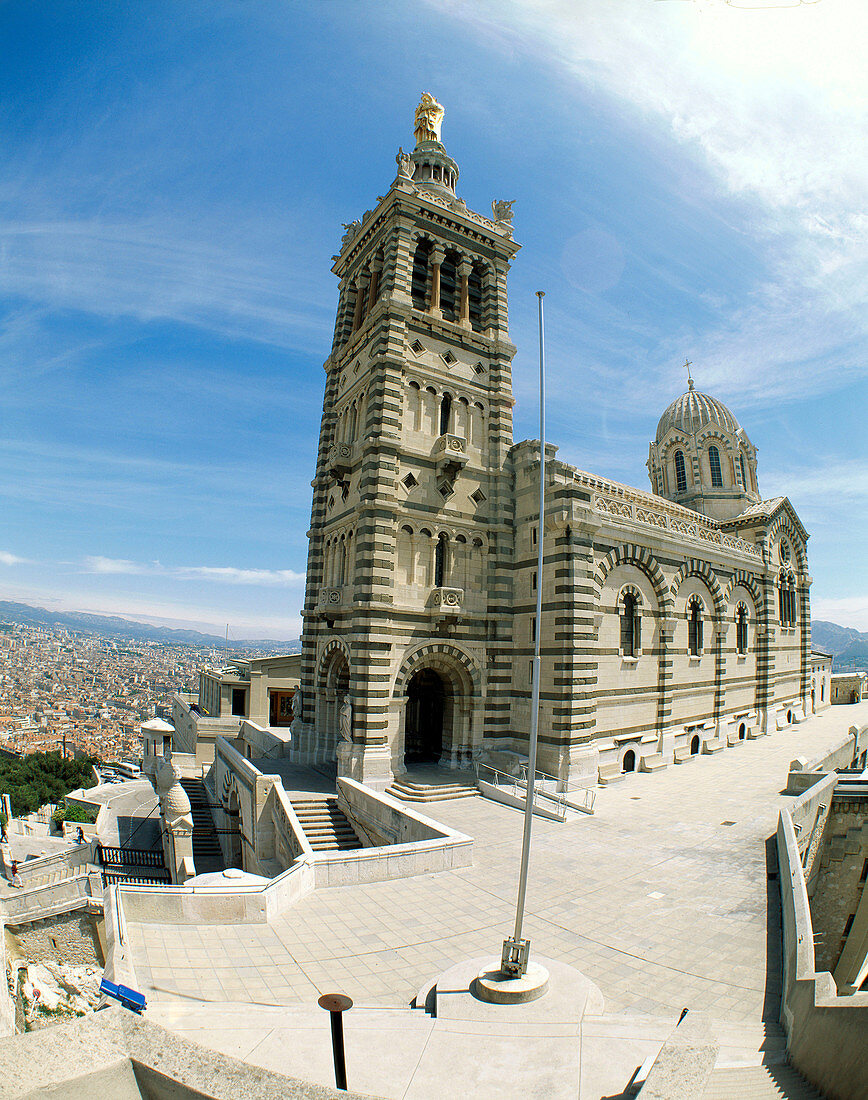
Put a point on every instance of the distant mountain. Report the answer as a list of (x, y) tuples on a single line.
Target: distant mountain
[(848, 646), (112, 626)]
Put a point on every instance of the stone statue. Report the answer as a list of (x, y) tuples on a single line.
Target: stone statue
[(352, 228), (502, 211), (405, 165), (346, 719), (429, 116), (297, 704)]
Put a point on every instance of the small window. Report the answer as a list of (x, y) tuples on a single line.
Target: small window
[(741, 630), (440, 562), (445, 411), (533, 536), (714, 463), (743, 471), (533, 628), (680, 473), (479, 368), (417, 348), (864, 876), (478, 496), (694, 630), (533, 581), (630, 623), (849, 924), (410, 481), (448, 358)]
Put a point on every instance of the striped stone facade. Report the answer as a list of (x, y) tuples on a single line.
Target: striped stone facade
[(419, 610)]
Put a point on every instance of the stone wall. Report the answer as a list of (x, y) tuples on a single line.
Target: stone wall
[(69, 938), (839, 883)]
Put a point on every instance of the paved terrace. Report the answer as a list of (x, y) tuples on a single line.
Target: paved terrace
[(662, 899)]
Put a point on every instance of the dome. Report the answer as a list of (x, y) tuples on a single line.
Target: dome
[(177, 802), (692, 411)]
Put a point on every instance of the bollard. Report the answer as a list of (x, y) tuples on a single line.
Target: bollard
[(335, 1004)]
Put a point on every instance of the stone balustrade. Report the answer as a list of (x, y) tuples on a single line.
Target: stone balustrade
[(450, 454), (340, 459), (447, 601)]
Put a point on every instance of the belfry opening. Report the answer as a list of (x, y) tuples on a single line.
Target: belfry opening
[(426, 710)]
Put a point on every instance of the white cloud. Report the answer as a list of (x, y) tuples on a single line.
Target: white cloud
[(772, 103), (160, 269), (283, 578), (851, 611), (826, 484), (11, 559)]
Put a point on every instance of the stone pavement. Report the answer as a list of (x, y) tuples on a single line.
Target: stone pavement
[(661, 898)]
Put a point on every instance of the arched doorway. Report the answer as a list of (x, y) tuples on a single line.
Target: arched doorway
[(628, 764), (334, 685), (427, 699), (694, 745)]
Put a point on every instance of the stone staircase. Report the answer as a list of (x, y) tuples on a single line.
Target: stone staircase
[(759, 1083), (207, 853), (752, 1064), (326, 826), (414, 791)]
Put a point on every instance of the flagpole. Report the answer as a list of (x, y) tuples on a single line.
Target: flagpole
[(515, 950)]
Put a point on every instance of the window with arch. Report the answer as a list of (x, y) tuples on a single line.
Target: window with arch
[(445, 413), (441, 560), (714, 465), (741, 629), (631, 624), (474, 296), (694, 626), (787, 602), (680, 473), (448, 280), (741, 467), (419, 279)]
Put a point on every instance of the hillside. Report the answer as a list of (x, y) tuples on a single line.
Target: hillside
[(115, 627), (848, 646)]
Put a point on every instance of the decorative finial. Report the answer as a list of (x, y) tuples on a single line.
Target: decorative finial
[(688, 365), (429, 116)]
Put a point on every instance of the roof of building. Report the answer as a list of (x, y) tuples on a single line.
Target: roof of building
[(694, 410)]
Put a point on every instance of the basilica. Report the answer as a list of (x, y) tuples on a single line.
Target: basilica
[(675, 620)]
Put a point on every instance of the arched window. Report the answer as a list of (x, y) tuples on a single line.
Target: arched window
[(448, 297), (714, 463), (680, 473), (419, 283), (787, 602), (630, 625), (694, 628), (743, 471), (445, 411), (440, 562), (741, 629), (474, 297)]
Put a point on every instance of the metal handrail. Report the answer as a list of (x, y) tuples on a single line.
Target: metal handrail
[(557, 797)]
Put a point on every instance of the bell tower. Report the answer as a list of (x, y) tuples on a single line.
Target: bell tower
[(405, 643)]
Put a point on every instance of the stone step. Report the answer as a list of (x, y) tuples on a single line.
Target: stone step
[(421, 792), (325, 825), (759, 1083)]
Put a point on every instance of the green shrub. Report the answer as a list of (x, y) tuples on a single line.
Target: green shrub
[(71, 812)]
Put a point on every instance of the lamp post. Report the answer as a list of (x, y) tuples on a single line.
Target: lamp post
[(516, 951)]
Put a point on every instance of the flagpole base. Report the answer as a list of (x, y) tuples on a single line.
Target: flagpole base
[(496, 987)]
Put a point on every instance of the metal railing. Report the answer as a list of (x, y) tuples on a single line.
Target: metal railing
[(559, 797)]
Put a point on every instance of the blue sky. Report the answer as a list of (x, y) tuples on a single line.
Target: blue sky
[(690, 181)]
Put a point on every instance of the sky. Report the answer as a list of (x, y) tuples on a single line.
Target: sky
[(689, 180)]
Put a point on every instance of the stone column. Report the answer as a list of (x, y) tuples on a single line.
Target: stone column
[(721, 630), (436, 261), (464, 306)]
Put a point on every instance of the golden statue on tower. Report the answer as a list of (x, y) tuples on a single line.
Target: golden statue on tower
[(429, 116)]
